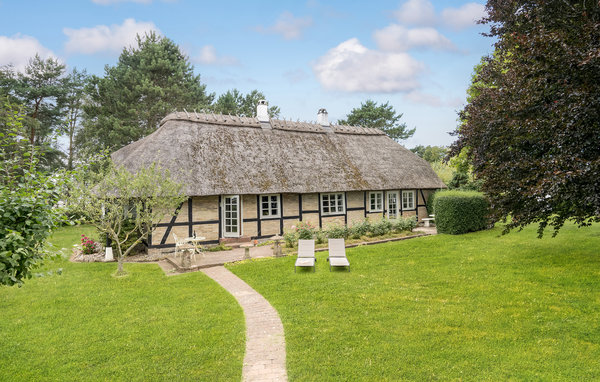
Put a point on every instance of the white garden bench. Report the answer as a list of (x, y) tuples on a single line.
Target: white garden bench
[(427, 221)]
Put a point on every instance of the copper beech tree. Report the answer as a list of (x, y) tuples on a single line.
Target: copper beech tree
[(533, 128)]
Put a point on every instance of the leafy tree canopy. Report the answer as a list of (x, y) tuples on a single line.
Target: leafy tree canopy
[(382, 117), (532, 130), (149, 81), (40, 92), (27, 201), (430, 153), (236, 103), (75, 84)]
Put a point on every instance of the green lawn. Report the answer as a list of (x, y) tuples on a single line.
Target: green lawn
[(471, 307), (87, 325)]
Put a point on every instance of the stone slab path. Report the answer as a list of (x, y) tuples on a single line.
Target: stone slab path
[(265, 342)]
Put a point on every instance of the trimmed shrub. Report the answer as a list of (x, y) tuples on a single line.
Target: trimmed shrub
[(290, 238), (431, 202), (381, 228), (361, 229), (404, 224), (338, 232), (458, 212), (320, 237)]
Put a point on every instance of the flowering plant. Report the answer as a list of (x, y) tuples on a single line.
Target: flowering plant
[(88, 246), (305, 230)]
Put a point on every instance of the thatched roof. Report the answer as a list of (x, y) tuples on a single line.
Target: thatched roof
[(217, 154)]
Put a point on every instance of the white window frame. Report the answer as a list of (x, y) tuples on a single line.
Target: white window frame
[(389, 209), (270, 215), (381, 201), (337, 196), (240, 226), (406, 207)]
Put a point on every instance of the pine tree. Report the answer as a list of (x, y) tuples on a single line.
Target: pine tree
[(149, 81), (382, 117)]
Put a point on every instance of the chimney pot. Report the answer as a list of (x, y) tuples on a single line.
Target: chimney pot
[(322, 118), (262, 111)]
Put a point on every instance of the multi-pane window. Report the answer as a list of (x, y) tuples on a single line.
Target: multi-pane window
[(376, 201), (332, 204), (269, 206), (408, 200), (392, 197), (231, 221)]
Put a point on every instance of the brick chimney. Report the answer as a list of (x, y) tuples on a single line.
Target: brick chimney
[(262, 111)]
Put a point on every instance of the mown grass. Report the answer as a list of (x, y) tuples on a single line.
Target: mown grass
[(86, 324), (472, 307)]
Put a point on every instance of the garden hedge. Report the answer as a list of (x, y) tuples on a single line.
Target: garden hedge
[(458, 212)]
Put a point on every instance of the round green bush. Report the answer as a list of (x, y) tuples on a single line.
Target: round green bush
[(458, 212)]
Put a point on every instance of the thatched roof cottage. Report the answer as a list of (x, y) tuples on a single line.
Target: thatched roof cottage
[(251, 178)]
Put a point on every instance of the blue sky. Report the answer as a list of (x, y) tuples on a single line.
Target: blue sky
[(303, 55)]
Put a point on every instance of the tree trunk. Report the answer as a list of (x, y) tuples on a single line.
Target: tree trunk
[(34, 116), (120, 270), (70, 162)]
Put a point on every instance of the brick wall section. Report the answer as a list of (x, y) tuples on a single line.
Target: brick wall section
[(310, 202), (328, 221), (290, 205), (355, 199)]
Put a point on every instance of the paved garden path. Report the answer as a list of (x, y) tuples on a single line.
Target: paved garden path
[(265, 342)]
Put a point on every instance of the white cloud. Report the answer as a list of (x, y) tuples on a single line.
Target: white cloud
[(422, 13), (351, 67), (463, 17), (103, 38), (208, 56), (288, 26), (416, 12), (18, 49), (396, 38)]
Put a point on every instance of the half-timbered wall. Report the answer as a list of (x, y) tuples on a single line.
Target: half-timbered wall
[(202, 215)]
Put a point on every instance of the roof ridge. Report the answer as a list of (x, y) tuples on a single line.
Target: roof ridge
[(276, 124)]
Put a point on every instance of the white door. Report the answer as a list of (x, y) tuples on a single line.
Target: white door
[(392, 204), (231, 216)]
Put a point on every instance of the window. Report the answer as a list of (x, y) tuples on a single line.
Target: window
[(375, 201), (332, 204), (408, 200), (392, 204), (269, 206)]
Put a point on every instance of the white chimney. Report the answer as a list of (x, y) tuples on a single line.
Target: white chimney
[(322, 118), (262, 111)]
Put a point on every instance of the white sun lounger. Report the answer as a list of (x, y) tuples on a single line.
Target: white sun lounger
[(337, 254), (306, 254)]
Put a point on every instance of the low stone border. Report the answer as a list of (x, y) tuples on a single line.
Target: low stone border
[(377, 241)]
